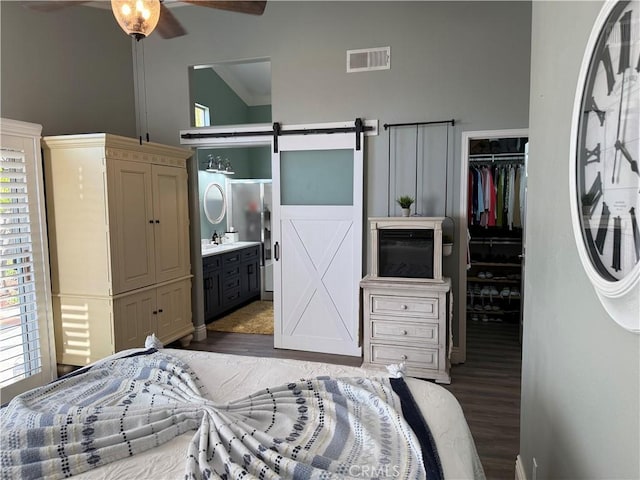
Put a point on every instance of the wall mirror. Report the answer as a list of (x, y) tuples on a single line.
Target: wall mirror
[(215, 202)]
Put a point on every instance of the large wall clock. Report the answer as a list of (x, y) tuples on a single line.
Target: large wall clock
[(605, 161)]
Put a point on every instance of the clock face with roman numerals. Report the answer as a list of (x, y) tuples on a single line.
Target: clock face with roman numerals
[(607, 150)]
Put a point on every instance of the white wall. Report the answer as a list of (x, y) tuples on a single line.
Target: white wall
[(69, 70), (463, 60), (581, 372)]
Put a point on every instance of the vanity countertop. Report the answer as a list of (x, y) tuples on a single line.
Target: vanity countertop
[(208, 250)]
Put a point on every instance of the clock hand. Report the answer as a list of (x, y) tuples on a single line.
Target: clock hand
[(634, 164), (615, 156)]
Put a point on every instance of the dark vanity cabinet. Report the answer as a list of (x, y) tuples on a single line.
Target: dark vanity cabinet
[(211, 283), (250, 280), (231, 279)]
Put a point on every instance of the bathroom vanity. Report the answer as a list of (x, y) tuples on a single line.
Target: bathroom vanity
[(231, 277)]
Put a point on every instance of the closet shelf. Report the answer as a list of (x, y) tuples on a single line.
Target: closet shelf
[(495, 264), (494, 297), (493, 280), (492, 312), (499, 157), (495, 241)]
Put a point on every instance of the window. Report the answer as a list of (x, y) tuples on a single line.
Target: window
[(202, 115), (25, 302)]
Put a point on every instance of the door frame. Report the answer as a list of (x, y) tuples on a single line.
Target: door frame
[(459, 352), (231, 136)]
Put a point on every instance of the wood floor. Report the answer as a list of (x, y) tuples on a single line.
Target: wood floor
[(487, 385)]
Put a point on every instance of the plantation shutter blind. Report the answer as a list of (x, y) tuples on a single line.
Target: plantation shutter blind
[(26, 345)]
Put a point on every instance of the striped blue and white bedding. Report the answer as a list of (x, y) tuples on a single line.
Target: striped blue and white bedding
[(104, 419)]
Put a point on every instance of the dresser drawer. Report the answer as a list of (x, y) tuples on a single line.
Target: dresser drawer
[(250, 253), (230, 283), (231, 270), (231, 297), (411, 356), (386, 330), (232, 258), (212, 262), (415, 307)]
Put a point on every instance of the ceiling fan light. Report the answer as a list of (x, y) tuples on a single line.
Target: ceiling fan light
[(137, 18)]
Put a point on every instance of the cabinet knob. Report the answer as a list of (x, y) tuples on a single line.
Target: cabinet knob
[(155, 312), (403, 307), (404, 332), (160, 311), (403, 357)]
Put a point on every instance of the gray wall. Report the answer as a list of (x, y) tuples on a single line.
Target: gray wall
[(259, 114), (581, 372), (69, 70), (463, 60)]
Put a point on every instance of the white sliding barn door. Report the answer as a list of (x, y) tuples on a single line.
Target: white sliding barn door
[(317, 237)]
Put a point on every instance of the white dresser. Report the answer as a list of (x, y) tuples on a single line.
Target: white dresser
[(408, 321), (119, 244)]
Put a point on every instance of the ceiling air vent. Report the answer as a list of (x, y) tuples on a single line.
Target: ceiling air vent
[(368, 59)]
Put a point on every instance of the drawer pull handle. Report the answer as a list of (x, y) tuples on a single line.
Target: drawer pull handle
[(404, 332), (403, 307), (403, 357)]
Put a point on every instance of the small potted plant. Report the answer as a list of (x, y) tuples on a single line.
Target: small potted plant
[(405, 202)]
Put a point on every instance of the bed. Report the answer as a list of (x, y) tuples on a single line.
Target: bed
[(227, 378)]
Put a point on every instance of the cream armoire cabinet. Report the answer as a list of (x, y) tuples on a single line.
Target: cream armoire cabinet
[(118, 222)]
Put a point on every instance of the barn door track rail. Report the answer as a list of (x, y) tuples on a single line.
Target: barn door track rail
[(248, 132)]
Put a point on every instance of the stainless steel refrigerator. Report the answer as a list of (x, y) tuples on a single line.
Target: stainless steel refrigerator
[(249, 213)]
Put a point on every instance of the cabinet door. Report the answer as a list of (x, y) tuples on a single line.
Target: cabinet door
[(251, 279), (170, 206), (134, 319), (131, 220), (211, 287), (211, 294), (174, 310)]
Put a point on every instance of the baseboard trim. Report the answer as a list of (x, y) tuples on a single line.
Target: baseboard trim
[(456, 356), (520, 473), (200, 333)]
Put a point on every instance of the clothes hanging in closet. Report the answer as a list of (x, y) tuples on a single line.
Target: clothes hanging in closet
[(496, 195)]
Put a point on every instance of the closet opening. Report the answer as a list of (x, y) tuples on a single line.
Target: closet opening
[(493, 213)]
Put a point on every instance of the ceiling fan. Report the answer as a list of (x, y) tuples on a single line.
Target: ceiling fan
[(139, 18)]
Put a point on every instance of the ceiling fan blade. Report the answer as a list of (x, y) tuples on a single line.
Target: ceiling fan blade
[(252, 8), (168, 25)]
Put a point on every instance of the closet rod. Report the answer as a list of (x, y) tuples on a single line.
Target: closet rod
[(496, 160), (414, 124)]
